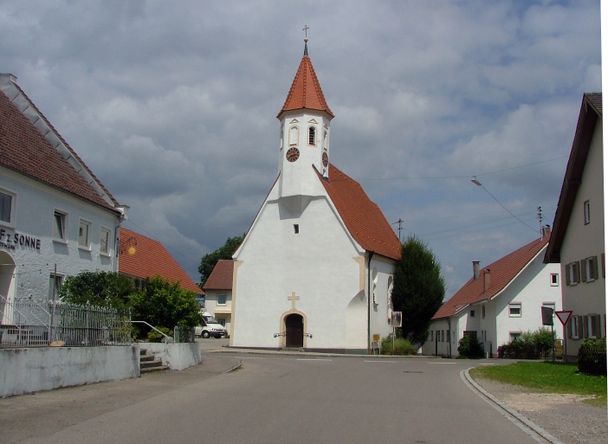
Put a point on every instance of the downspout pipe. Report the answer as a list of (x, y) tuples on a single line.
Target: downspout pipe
[(370, 254)]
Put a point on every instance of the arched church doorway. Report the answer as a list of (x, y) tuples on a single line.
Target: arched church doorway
[(7, 287), (294, 331)]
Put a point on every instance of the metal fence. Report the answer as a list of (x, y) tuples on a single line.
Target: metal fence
[(32, 324)]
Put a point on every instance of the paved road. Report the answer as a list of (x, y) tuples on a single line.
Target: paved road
[(277, 399)]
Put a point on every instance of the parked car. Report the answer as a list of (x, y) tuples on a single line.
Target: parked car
[(210, 327)]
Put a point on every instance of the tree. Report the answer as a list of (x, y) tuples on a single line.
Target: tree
[(418, 289), (104, 289), (165, 305), (226, 251)]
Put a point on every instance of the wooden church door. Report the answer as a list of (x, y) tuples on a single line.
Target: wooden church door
[(294, 328)]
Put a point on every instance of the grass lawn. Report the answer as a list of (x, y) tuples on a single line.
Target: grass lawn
[(547, 377)]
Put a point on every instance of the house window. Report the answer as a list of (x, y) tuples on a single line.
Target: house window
[(83, 234), (221, 299), (7, 200), (437, 338), (513, 335), (586, 212), (59, 225), (442, 335), (483, 312), (431, 336), (589, 269), (104, 241), (311, 135), (293, 135), (573, 273), (296, 228), (554, 279), (575, 327), (594, 326), (515, 310), (472, 313), (55, 281)]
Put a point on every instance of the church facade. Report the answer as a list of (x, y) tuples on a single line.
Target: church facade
[(315, 269)]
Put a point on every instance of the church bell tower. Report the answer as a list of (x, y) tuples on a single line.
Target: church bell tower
[(304, 145)]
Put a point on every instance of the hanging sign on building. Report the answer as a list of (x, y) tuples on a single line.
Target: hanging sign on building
[(11, 240)]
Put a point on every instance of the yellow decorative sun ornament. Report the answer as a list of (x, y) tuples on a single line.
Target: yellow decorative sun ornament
[(132, 250)]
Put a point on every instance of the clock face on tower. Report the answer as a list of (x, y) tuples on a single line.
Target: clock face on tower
[(325, 159), (292, 154)]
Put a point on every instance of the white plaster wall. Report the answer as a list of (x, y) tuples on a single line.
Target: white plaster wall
[(582, 241), (225, 311), (297, 178), (320, 264), (35, 204), (380, 314), (27, 370), (531, 288), (177, 356)]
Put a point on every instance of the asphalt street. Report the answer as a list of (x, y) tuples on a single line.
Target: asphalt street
[(271, 399)]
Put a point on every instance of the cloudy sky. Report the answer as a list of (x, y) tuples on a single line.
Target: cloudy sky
[(173, 105)]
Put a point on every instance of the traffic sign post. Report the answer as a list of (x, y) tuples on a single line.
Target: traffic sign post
[(396, 320), (564, 317)]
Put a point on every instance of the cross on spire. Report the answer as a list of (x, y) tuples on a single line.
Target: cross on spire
[(305, 29)]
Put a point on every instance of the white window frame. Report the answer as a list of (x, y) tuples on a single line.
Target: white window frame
[(312, 131), (11, 217), (574, 327), (591, 332), (513, 335), (515, 305), (87, 245), (101, 233), (586, 212), (589, 269), (573, 273), (554, 279), (225, 299), (63, 238)]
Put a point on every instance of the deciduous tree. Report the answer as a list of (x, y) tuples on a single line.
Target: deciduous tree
[(226, 251)]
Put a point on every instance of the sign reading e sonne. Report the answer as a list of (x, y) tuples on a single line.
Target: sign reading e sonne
[(11, 240)]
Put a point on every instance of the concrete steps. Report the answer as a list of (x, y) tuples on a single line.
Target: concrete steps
[(148, 362)]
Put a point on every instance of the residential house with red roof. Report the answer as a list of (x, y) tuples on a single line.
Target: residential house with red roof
[(56, 217), (142, 258), (499, 302), (218, 292), (315, 269), (578, 241)]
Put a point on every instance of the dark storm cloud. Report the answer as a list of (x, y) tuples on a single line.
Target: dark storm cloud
[(173, 105)]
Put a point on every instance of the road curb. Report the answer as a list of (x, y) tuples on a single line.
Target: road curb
[(235, 367), (521, 421), (249, 351)]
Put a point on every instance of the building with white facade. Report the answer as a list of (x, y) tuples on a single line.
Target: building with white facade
[(218, 293), (56, 218), (315, 268), (499, 302), (578, 230)]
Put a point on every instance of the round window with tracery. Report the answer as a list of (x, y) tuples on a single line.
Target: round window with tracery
[(292, 154)]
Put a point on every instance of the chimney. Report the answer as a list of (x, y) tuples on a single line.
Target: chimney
[(546, 230), (8, 77), (487, 279), (475, 270)]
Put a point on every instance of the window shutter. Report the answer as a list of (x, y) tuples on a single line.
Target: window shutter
[(603, 265), (584, 273), (569, 326), (593, 267), (568, 268), (579, 327), (585, 327)]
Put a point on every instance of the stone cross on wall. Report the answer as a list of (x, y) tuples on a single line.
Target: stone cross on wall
[(293, 298)]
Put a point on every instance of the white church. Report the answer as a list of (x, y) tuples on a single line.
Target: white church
[(315, 269)]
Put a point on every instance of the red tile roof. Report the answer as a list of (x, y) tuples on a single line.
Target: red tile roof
[(502, 272), (221, 276), (142, 257), (305, 91), (590, 112), (25, 150), (363, 218)]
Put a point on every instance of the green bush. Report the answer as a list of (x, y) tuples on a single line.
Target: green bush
[(530, 345), (470, 347), (592, 357), (402, 346)]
